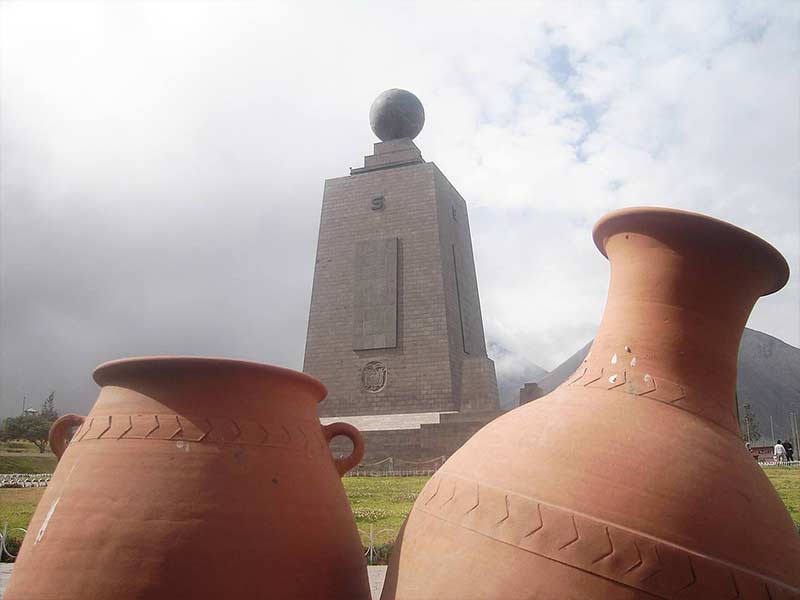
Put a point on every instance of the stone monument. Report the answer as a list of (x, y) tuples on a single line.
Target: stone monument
[(395, 329)]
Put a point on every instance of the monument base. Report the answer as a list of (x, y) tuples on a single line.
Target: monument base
[(411, 442)]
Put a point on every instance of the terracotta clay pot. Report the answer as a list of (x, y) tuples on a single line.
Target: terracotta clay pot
[(630, 480), (195, 478)]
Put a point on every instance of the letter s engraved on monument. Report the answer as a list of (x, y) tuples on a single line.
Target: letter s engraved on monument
[(373, 376), (377, 203)]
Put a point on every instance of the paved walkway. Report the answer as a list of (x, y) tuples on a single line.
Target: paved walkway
[(5, 573), (376, 575)]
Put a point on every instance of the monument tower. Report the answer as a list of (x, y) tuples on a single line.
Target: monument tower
[(395, 329)]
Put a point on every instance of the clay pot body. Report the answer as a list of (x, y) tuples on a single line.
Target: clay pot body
[(631, 479), (195, 478)]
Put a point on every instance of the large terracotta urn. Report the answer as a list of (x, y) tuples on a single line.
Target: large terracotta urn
[(630, 480), (195, 478)]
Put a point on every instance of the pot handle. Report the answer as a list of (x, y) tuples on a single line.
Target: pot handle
[(59, 431), (343, 465)]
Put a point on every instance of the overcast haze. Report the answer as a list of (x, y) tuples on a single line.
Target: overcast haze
[(162, 164)]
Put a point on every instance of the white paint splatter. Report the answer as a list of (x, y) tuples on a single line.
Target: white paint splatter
[(612, 379), (71, 470), (634, 361), (627, 348), (614, 359), (648, 377), (46, 522)]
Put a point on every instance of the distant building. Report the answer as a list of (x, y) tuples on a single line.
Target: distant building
[(529, 392), (762, 453)]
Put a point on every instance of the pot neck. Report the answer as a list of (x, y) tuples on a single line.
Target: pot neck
[(682, 288)]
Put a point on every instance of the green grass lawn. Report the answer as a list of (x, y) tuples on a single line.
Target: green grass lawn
[(18, 447), (17, 506), (39, 463), (787, 481), (378, 502), (382, 503)]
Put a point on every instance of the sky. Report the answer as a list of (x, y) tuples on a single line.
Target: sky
[(162, 163)]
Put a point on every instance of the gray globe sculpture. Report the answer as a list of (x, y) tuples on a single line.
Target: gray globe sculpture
[(396, 114)]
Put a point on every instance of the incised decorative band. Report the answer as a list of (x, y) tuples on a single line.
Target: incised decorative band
[(643, 384), (303, 436), (630, 558)]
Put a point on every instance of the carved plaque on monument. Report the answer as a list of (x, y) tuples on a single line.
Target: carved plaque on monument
[(375, 294), (373, 376)]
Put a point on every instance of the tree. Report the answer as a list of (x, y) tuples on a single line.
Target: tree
[(751, 428), (48, 409), (34, 428)]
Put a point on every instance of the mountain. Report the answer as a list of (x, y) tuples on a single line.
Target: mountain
[(768, 379), (556, 377)]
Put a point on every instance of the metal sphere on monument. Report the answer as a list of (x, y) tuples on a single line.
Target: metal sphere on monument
[(396, 114)]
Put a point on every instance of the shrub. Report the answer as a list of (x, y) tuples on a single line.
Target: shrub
[(12, 545), (380, 554)]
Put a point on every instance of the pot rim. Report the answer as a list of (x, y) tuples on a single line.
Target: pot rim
[(617, 222), (105, 373)]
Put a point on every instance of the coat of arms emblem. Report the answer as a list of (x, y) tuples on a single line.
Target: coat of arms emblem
[(373, 376)]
